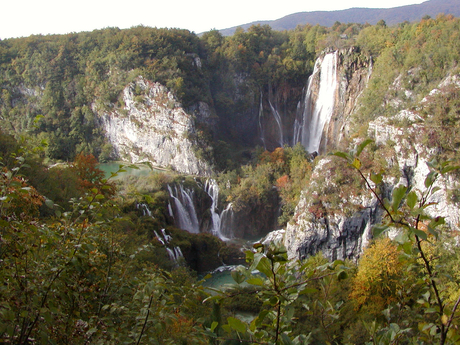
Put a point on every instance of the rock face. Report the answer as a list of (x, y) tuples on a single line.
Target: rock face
[(342, 231), (152, 126), (338, 232), (353, 72)]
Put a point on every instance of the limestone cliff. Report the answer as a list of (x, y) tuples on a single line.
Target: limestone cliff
[(329, 219), (333, 218), (152, 126), (353, 72)]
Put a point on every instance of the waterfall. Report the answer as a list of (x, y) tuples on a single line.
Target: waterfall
[(317, 112), (175, 253), (145, 210), (261, 114), (277, 117), (226, 221), (184, 212), (212, 189), (298, 122)]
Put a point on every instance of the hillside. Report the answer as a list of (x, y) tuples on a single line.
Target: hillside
[(391, 16), (345, 138)]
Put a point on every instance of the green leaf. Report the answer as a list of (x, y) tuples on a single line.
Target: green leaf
[(255, 281), (449, 168), (49, 203), (378, 229), (342, 274), (237, 324), (398, 194), (238, 276), (437, 221), (265, 266), (361, 146), (419, 233), (430, 178), (412, 199), (214, 325), (376, 178), (342, 155)]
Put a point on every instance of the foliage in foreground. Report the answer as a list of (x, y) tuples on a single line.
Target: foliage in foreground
[(75, 278)]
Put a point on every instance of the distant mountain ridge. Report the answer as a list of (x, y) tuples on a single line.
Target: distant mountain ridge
[(391, 16)]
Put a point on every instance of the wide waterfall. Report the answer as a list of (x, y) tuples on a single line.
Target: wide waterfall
[(319, 103)]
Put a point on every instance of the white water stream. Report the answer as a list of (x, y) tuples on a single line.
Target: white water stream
[(184, 213), (318, 109)]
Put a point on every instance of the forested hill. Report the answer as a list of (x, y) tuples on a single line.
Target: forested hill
[(86, 260), (56, 88), (391, 16)]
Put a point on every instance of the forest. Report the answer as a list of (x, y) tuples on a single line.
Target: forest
[(81, 263)]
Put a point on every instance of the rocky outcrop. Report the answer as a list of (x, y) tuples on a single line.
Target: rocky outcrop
[(342, 230), (339, 231), (152, 126), (353, 72)]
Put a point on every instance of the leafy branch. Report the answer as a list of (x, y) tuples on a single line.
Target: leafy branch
[(403, 198)]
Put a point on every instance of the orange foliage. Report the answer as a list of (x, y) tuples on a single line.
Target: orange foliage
[(283, 182), (21, 198), (277, 156), (90, 176)]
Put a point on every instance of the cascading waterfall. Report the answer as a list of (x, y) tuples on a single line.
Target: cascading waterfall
[(184, 211), (226, 221), (277, 117), (218, 221), (317, 112), (175, 253), (145, 210), (261, 129)]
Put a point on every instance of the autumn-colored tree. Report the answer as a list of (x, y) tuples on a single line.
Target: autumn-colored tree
[(90, 176), (379, 276), (19, 198)]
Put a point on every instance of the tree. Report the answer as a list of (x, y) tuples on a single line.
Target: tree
[(90, 176), (407, 213)]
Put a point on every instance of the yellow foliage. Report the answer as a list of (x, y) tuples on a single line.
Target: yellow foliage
[(379, 276)]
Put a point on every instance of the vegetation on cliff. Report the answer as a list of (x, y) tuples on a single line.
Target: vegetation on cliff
[(80, 263)]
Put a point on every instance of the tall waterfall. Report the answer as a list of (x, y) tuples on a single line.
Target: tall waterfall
[(277, 117), (318, 106), (184, 209), (261, 114), (219, 222)]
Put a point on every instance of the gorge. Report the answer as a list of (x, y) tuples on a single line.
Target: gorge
[(331, 154)]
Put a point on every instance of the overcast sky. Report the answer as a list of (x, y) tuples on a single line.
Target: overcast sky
[(27, 17)]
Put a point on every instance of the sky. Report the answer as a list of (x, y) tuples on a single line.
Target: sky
[(21, 18)]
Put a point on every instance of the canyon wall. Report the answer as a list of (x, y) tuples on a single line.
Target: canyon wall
[(340, 226), (152, 126)]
